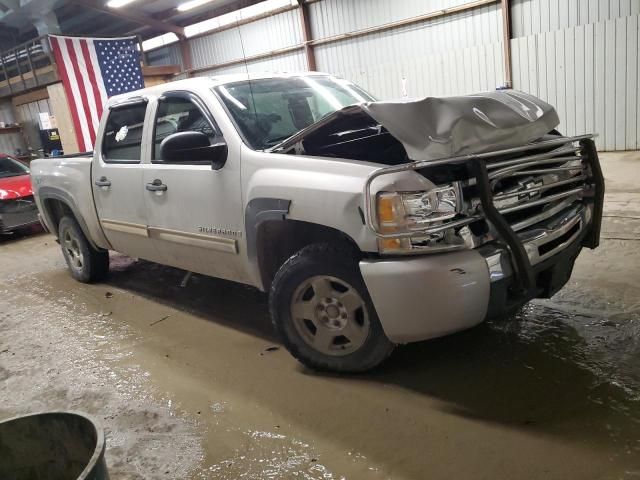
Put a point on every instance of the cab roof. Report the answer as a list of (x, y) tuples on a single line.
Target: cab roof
[(207, 82)]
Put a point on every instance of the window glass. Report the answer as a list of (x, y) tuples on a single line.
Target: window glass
[(12, 168), (123, 133), (179, 115), (268, 111)]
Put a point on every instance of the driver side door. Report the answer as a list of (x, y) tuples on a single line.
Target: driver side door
[(194, 212)]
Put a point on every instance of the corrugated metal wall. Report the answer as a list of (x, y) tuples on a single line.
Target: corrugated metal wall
[(430, 58), (332, 17), (529, 17), (460, 53), (169, 55), (264, 35), (582, 57), (286, 62)]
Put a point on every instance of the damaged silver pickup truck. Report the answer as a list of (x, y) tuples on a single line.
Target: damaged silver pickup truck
[(370, 224)]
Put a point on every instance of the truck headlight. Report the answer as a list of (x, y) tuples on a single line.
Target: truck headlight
[(407, 212)]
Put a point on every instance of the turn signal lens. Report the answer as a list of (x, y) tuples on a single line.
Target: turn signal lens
[(390, 212), (385, 209), (390, 243), (394, 245)]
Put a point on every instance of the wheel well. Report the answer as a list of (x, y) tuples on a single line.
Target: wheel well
[(277, 240), (56, 209)]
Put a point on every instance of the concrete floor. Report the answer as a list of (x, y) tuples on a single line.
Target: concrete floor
[(187, 384)]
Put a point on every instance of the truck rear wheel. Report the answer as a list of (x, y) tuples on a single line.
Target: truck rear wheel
[(322, 311), (85, 263)]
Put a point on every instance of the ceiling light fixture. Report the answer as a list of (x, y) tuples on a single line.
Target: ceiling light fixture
[(118, 3), (183, 7)]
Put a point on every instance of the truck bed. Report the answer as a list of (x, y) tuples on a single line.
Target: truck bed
[(69, 179)]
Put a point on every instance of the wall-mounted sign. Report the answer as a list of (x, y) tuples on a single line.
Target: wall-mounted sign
[(45, 121)]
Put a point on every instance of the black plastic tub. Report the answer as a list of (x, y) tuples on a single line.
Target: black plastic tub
[(52, 446)]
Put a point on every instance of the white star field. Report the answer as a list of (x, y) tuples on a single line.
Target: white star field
[(120, 65)]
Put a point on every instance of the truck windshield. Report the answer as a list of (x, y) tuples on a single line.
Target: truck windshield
[(268, 111), (11, 168)]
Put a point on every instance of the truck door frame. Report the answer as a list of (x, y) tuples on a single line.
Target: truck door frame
[(202, 247), (122, 219)]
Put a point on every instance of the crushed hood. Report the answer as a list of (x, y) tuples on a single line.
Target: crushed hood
[(434, 128)]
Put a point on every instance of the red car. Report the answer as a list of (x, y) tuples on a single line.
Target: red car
[(17, 207)]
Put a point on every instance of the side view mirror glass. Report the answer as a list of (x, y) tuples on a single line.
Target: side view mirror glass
[(189, 147)]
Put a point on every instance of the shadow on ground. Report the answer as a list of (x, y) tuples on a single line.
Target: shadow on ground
[(11, 237), (232, 304), (533, 371)]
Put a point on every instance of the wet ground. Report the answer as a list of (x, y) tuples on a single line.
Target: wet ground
[(190, 382)]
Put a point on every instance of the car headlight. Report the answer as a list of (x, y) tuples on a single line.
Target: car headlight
[(403, 213)]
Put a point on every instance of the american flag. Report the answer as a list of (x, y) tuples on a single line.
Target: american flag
[(92, 70)]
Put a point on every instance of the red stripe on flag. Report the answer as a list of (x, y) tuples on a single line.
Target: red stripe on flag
[(62, 71), (83, 93), (92, 77)]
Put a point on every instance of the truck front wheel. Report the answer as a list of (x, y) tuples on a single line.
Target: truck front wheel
[(322, 310), (85, 263)]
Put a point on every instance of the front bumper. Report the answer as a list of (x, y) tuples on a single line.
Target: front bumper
[(425, 297), (18, 213), (430, 296)]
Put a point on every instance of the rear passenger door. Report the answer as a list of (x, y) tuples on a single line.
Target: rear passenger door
[(116, 174), (196, 219)]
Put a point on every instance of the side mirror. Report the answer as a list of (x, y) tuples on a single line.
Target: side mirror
[(189, 147)]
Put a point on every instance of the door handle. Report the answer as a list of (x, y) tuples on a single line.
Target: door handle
[(156, 186), (103, 182)]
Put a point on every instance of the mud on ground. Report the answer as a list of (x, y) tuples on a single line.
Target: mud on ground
[(189, 382)]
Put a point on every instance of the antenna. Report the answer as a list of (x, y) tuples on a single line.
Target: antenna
[(246, 67)]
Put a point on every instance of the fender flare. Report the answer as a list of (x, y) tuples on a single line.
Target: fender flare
[(53, 193), (259, 210)]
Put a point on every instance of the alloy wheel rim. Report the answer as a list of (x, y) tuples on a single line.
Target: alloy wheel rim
[(71, 246), (330, 315)]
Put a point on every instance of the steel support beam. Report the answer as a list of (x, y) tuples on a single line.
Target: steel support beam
[(185, 53), (506, 41), (307, 37)]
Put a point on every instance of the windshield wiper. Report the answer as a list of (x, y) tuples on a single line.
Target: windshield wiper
[(275, 140)]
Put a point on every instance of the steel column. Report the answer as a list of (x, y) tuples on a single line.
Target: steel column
[(307, 37), (506, 41)]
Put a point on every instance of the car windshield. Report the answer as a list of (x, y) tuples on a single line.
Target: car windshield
[(268, 111), (11, 168)]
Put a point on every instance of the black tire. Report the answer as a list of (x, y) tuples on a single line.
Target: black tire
[(320, 261), (85, 263)]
